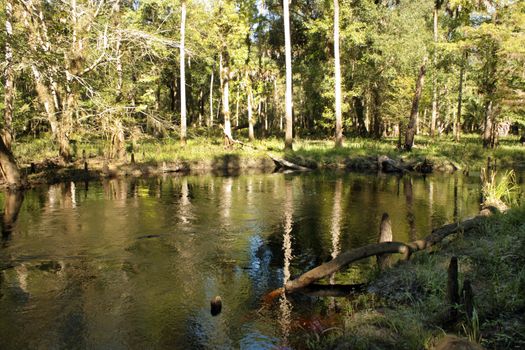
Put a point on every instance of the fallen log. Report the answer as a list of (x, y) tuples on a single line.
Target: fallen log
[(440, 233), (284, 164), (360, 253), (343, 260)]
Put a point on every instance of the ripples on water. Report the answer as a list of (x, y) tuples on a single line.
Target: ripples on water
[(134, 263)]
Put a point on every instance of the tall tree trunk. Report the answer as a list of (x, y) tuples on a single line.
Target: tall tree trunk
[(337, 66), (288, 138), (210, 122), (460, 97), (47, 101), (265, 116), (250, 109), (171, 87), (9, 168), (376, 113), (276, 105), (201, 106), (360, 115), (182, 75), (489, 125), (411, 128), (225, 77), (118, 60), (7, 134), (237, 107), (434, 82)]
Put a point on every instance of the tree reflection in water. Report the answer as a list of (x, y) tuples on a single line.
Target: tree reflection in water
[(13, 203), (284, 304), (335, 230)]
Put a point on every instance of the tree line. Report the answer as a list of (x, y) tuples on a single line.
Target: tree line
[(121, 69)]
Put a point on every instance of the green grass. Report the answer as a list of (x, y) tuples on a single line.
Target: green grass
[(357, 152)]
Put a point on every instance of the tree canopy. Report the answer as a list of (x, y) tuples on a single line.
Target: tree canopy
[(111, 68)]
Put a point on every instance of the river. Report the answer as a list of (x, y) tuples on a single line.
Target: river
[(133, 263)]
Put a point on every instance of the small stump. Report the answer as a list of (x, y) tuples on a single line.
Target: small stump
[(216, 305)]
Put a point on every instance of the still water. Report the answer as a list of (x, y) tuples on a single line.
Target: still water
[(134, 263)]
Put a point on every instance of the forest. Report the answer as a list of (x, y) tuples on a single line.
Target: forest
[(126, 124), (121, 71)]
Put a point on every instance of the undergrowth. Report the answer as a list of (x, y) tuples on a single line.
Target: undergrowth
[(405, 307)]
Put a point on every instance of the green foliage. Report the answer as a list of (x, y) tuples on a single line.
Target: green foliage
[(500, 191), (383, 44)]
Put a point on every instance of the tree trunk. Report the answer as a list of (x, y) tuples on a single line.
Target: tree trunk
[(460, 97), (337, 66), (210, 122), (237, 108), (250, 109), (434, 82), (225, 77), (9, 168), (376, 113), (487, 133), (360, 115), (276, 105), (411, 128), (265, 117), (119, 69), (288, 138), (7, 134), (201, 106), (182, 75), (45, 98)]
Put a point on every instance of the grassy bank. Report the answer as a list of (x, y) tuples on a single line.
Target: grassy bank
[(469, 152), (406, 307), (207, 154)]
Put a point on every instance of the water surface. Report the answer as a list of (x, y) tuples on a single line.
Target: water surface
[(133, 263)]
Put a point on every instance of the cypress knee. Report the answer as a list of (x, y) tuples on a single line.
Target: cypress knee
[(453, 288)]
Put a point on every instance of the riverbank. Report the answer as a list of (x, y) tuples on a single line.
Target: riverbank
[(37, 157), (405, 306)]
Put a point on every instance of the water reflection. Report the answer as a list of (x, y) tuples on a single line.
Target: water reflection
[(284, 304), (12, 204), (411, 219), (135, 262), (335, 230)]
